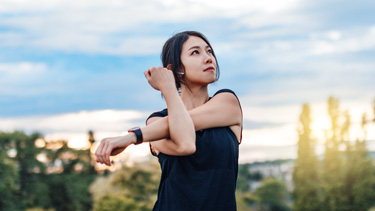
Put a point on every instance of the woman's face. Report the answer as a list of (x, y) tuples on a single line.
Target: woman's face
[(199, 62)]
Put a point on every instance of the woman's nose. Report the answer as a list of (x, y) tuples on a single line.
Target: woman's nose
[(208, 58)]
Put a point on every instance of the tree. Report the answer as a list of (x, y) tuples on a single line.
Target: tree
[(32, 178), (333, 166), (272, 195), (30, 171), (135, 186), (360, 177), (348, 170), (9, 187), (245, 199), (305, 175), (112, 202)]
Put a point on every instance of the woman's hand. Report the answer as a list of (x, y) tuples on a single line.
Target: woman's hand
[(113, 146), (160, 78)]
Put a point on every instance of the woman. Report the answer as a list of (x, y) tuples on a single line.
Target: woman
[(196, 138)]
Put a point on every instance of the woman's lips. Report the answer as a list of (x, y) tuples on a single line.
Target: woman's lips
[(210, 69)]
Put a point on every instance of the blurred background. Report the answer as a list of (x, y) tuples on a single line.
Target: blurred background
[(71, 73)]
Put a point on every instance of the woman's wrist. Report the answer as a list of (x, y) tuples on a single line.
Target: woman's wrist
[(168, 87), (132, 137)]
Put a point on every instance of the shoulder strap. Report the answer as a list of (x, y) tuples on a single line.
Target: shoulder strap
[(161, 113), (225, 90)]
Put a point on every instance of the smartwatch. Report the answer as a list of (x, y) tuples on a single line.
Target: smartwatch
[(138, 134)]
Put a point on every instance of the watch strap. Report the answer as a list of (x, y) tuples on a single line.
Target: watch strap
[(138, 134)]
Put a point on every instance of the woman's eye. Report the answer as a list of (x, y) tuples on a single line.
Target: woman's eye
[(194, 52), (209, 51)]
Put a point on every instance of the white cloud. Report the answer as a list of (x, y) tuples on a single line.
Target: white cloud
[(86, 26), (22, 68), (102, 120), (343, 42), (273, 114), (240, 7), (20, 77)]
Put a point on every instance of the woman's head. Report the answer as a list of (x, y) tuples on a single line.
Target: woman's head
[(172, 50)]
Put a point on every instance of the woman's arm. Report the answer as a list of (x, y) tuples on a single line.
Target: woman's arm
[(180, 125), (221, 111)]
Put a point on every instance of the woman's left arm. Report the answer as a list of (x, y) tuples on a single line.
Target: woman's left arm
[(222, 110)]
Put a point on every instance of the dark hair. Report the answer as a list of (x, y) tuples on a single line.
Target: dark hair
[(171, 54)]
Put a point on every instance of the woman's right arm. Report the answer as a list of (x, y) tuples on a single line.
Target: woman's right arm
[(178, 126)]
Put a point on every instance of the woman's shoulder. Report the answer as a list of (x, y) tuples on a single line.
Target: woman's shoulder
[(226, 91)]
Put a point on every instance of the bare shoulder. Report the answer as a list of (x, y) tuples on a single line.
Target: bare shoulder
[(228, 99), (232, 105), (226, 95)]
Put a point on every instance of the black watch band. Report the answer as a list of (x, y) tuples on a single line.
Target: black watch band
[(138, 133)]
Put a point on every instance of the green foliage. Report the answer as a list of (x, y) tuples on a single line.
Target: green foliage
[(70, 191), (245, 177), (333, 164), (116, 202), (31, 178), (306, 173), (8, 177), (347, 179), (39, 209), (246, 201), (272, 195), (132, 184), (360, 176)]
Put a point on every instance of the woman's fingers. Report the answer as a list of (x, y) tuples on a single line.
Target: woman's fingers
[(97, 152), (100, 153), (110, 146), (105, 154), (160, 77)]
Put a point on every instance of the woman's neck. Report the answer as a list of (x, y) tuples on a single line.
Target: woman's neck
[(194, 97)]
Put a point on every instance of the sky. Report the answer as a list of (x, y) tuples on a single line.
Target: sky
[(67, 67)]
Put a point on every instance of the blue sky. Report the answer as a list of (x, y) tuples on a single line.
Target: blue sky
[(66, 57)]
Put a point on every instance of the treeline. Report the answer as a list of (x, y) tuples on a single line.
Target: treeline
[(40, 175), (271, 194), (36, 175), (345, 178)]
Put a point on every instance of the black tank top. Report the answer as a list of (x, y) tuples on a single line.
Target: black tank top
[(205, 180)]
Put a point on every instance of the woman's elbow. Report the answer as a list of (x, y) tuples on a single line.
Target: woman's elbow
[(187, 148)]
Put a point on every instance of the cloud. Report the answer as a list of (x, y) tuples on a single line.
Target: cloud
[(102, 120), (87, 26), (67, 56), (20, 75), (338, 42), (22, 68), (261, 153)]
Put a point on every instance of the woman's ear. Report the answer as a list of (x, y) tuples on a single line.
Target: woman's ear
[(169, 67)]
